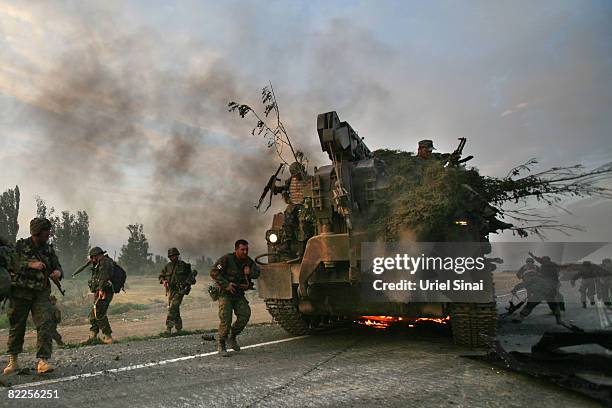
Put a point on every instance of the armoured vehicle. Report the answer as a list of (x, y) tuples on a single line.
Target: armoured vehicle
[(316, 279)]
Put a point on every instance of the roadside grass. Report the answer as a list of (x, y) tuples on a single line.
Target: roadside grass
[(121, 308)]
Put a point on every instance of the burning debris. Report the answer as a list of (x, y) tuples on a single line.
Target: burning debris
[(383, 322)]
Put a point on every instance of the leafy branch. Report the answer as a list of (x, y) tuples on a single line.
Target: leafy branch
[(275, 134)]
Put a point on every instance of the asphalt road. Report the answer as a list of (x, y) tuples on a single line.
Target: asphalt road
[(352, 366)]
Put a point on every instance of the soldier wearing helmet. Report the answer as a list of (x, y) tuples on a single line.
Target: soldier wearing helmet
[(101, 286), (550, 271), (528, 266), (426, 148), (177, 278), (31, 289)]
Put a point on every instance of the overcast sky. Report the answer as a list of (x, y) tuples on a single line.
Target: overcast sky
[(120, 108)]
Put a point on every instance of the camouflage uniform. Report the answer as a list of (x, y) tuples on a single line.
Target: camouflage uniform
[(588, 283), (539, 289), (604, 285), (231, 269), (100, 281), (293, 194), (30, 293), (57, 319), (549, 270), (180, 277)]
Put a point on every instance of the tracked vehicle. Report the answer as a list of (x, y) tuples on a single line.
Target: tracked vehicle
[(322, 284)]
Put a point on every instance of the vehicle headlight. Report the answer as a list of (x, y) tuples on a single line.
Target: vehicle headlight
[(273, 238), (461, 222)]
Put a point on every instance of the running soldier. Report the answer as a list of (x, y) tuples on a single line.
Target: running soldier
[(233, 274), (177, 278)]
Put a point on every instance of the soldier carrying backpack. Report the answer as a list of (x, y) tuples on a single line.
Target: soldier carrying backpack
[(107, 278), (177, 278)]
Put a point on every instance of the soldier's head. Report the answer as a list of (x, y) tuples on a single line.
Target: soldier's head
[(296, 169), (529, 260), (52, 299), (425, 148), (40, 229), (606, 261), (173, 254), (95, 254), (241, 249)]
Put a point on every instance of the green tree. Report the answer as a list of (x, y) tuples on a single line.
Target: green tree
[(134, 255), (71, 234), (9, 213)]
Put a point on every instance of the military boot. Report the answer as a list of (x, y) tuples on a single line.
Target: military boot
[(584, 305), (12, 366), (221, 349), (107, 339), (592, 303), (93, 336), (168, 331), (44, 366), (233, 343)]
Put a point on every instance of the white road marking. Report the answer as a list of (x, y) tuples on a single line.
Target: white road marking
[(146, 365)]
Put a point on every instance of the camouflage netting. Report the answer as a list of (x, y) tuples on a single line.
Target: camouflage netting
[(425, 198)]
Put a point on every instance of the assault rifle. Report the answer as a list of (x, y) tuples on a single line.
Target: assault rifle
[(274, 178)]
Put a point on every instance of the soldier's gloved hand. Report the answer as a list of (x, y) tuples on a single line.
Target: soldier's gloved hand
[(36, 265), (55, 275), (231, 288), (166, 284), (101, 294), (247, 270)]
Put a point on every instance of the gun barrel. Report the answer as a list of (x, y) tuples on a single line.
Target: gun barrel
[(81, 269)]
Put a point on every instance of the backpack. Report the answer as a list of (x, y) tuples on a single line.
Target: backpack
[(118, 278)]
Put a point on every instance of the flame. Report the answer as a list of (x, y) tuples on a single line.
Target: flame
[(382, 322)]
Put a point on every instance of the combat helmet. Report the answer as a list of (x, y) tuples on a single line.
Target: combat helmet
[(173, 251), (296, 168), (95, 251), (38, 225)]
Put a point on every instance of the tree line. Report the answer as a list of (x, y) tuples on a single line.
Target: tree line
[(71, 237)]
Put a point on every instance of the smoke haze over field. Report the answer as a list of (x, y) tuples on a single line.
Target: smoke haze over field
[(121, 110)]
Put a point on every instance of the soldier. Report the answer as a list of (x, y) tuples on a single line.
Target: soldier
[(426, 148), (100, 285), (588, 284), (529, 266), (233, 274), (539, 289), (177, 278), (57, 319), (549, 270), (37, 263), (293, 194), (604, 284)]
